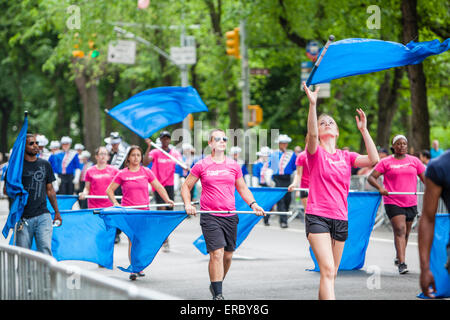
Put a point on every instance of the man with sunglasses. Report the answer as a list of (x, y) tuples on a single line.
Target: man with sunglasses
[(36, 221)]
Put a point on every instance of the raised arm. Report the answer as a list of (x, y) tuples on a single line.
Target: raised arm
[(313, 131), (147, 159), (372, 157)]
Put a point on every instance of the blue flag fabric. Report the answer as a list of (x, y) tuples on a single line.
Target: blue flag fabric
[(266, 199), (65, 202), (355, 56), (14, 187), (362, 209), (438, 256), (147, 231), (82, 236), (158, 107)]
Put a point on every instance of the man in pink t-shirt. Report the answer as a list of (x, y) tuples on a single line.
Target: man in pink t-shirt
[(164, 169)]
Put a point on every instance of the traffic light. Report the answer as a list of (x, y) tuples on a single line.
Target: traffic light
[(256, 115), (233, 43)]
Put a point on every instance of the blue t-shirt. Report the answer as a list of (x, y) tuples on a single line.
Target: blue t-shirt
[(435, 153), (438, 171)]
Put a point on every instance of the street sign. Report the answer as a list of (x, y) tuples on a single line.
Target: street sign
[(122, 51), (325, 88), (259, 71), (183, 55)]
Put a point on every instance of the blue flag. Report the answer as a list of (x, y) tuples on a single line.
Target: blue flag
[(14, 186), (266, 199), (84, 236), (65, 202), (355, 56), (438, 256), (147, 231), (362, 209), (153, 109)]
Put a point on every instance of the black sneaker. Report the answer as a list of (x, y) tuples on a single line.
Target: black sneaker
[(402, 268), (133, 276), (141, 274), (396, 261), (218, 297), (283, 225)]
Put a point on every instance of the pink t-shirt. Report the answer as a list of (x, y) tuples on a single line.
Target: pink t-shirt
[(135, 186), (218, 184), (329, 183), (400, 175), (100, 180), (163, 167), (302, 161)]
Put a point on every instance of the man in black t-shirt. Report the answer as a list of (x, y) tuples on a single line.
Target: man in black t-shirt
[(437, 185), (36, 221)]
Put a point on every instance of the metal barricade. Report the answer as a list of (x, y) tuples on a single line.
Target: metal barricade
[(31, 275)]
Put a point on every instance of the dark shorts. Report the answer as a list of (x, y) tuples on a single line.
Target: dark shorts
[(316, 224), (409, 212), (303, 194), (219, 232), (170, 192)]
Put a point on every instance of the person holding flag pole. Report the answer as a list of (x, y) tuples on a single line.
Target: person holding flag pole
[(326, 218), (220, 176), (134, 180), (400, 172)]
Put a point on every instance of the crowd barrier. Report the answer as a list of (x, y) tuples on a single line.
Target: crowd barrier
[(31, 275)]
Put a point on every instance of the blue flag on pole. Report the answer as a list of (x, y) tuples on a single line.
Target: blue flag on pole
[(362, 209), (147, 231), (14, 186), (153, 109), (438, 256), (355, 56), (84, 236), (266, 199)]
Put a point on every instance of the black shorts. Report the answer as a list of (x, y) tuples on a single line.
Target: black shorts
[(219, 232), (303, 194), (170, 191), (409, 212), (316, 224)]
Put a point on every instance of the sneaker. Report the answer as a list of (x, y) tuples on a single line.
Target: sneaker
[(211, 290), (218, 297), (133, 276), (141, 274), (283, 225), (396, 261), (402, 268)]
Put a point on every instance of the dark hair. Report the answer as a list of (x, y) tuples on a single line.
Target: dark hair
[(426, 153), (132, 148), (30, 135), (98, 149)]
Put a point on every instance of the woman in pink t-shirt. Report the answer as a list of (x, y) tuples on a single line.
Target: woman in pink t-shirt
[(220, 176), (326, 219), (400, 172), (98, 178), (134, 180)]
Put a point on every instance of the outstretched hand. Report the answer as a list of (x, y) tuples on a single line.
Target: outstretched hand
[(312, 95), (361, 121)]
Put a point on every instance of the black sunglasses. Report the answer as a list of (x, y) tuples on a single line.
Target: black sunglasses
[(217, 139), (32, 142)]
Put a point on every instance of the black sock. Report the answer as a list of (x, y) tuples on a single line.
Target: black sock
[(217, 287)]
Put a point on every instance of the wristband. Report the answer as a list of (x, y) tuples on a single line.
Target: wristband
[(252, 203)]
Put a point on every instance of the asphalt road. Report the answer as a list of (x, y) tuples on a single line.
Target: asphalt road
[(271, 264)]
